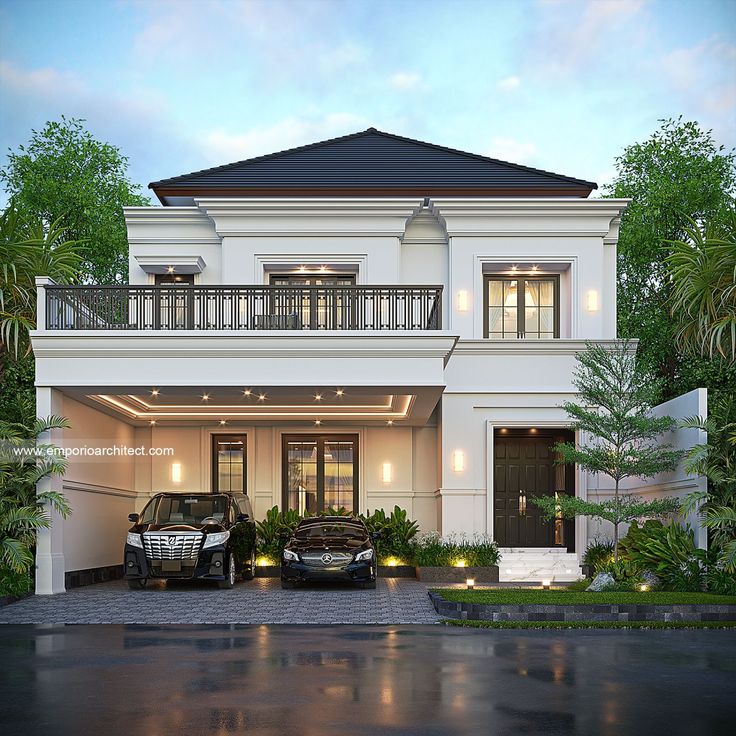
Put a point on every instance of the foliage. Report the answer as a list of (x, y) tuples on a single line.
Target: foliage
[(622, 438), (478, 550), (702, 270), (598, 552), (13, 583), (679, 172), (669, 551), (28, 249), (627, 574), (273, 531), (17, 390), (22, 511), (64, 172)]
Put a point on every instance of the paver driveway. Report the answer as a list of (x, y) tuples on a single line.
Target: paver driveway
[(260, 601)]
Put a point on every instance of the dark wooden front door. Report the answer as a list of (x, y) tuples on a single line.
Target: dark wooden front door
[(524, 467)]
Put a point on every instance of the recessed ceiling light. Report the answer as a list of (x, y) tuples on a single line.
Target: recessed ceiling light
[(339, 392), (222, 421), (317, 422), (170, 269), (535, 268), (390, 422), (246, 392), (323, 268), (261, 397), (302, 269), (154, 392), (205, 397), (152, 422), (318, 397), (513, 268)]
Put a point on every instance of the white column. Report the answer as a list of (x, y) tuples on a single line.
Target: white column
[(41, 283), (50, 542)]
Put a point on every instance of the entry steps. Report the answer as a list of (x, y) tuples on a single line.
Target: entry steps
[(535, 564)]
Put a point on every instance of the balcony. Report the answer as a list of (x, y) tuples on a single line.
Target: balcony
[(243, 308)]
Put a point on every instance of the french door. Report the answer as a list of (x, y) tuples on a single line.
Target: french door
[(320, 472), (526, 307)]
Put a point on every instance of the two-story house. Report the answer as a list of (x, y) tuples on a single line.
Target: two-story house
[(362, 322)]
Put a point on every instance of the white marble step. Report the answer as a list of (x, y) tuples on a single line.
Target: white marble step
[(534, 565)]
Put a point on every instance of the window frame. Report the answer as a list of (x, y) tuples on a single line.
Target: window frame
[(521, 301), (216, 437)]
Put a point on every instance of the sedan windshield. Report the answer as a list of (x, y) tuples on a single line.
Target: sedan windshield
[(310, 531), (190, 509)]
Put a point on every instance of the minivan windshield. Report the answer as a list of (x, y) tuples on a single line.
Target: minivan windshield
[(331, 529), (191, 509)]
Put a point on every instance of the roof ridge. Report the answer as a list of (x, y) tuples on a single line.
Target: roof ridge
[(372, 131)]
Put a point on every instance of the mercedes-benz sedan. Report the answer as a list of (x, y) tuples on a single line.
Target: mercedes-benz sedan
[(329, 548)]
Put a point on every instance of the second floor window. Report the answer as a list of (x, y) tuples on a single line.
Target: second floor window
[(525, 307)]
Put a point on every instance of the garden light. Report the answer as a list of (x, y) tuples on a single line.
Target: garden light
[(460, 563), (546, 584), (264, 562), (643, 588), (470, 583)]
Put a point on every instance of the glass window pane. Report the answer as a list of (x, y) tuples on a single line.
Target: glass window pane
[(495, 320), (531, 320), (229, 458), (546, 293), (531, 293), (495, 293), (547, 320)]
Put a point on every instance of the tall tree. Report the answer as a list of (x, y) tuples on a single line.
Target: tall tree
[(622, 438), (679, 172), (64, 173)]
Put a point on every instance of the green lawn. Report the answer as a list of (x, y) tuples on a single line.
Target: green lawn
[(525, 596), (592, 624)]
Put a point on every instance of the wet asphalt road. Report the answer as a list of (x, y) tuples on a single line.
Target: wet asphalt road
[(358, 680)]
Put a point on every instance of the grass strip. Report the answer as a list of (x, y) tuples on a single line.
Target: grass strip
[(534, 596), (591, 624)]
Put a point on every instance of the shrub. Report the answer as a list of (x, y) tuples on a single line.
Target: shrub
[(14, 583), (598, 552), (478, 550), (669, 551), (627, 574)]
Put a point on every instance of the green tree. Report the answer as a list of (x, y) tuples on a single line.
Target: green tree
[(679, 172), (23, 511), (29, 249), (622, 438), (64, 174), (702, 271)]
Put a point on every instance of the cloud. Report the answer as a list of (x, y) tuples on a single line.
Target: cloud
[(405, 80), (508, 84), (222, 146), (509, 149)]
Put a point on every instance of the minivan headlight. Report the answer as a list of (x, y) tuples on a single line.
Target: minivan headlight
[(366, 554), (134, 540), (213, 540), (291, 556)]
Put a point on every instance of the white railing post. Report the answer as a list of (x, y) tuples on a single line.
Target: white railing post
[(41, 283)]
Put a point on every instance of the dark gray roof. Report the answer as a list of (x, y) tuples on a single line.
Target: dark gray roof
[(371, 162)]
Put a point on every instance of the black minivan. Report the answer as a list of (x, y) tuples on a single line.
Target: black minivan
[(209, 536)]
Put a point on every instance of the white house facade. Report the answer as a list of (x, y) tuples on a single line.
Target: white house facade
[(363, 322)]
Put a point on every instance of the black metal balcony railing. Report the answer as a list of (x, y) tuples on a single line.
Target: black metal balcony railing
[(243, 307)]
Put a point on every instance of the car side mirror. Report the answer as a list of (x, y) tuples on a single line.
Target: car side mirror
[(133, 518), (242, 517)]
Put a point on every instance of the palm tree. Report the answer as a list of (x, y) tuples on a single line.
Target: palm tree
[(23, 511), (703, 272), (29, 249)]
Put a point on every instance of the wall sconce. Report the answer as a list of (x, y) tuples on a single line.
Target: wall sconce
[(458, 461), (386, 472), (176, 472), (462, 301), (592, 301)]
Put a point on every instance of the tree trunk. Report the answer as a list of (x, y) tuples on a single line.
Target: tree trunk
[(615, 527)]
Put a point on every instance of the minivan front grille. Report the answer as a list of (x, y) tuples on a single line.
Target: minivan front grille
[(326, 559), (172, 546)]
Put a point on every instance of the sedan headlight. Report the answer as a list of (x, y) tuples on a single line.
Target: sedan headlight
[(366, 554), (134, 540), (291, 556), (213, 540)]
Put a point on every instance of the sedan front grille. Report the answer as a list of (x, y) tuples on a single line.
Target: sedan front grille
[(172, 546), (326, 559)]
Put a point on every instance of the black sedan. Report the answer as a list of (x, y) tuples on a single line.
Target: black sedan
[(211, 536), (329, 548)]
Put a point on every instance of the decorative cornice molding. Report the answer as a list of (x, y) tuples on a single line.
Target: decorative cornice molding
[(559, 346)]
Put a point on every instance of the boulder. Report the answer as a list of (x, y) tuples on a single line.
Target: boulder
[(651, 579), (602, 581)]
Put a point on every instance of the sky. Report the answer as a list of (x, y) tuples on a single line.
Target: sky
[(180, 85)]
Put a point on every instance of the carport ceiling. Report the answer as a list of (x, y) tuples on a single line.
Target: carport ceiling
[(197, 405)]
